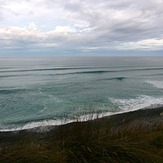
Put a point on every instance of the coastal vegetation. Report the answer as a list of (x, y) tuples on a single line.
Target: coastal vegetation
[(129, 137)]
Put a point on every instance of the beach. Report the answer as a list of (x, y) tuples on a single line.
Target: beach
[(81, 109), (135, 136), (81, 81), (44, 91)]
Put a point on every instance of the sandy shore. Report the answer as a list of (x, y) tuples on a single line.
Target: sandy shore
[(148, 116), (135, 136)]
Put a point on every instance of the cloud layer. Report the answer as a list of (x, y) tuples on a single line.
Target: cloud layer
[(86, 26)]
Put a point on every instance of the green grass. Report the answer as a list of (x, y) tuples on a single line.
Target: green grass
[(102, 140)]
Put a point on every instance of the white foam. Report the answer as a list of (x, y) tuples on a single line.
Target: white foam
[(142, 101), (157, 84), (58, 122), (39, 124), (125, 105), (93, 116)]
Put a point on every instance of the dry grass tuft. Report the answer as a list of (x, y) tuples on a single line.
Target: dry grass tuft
[(103, 140)]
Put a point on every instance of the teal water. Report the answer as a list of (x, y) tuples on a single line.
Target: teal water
[(46, 91)]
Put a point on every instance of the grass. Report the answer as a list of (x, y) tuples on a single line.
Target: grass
[(114, 139)]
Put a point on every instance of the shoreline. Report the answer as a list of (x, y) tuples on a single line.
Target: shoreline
[(147, 114), (133, 136), (82, 118)]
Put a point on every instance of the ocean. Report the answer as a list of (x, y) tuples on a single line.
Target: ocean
[(41, 91)]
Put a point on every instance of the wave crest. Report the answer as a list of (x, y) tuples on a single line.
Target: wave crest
[(157, 84), (142, 101)]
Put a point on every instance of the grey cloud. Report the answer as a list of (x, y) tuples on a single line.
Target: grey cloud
[(1, 11), (110, 23), (74, 7)]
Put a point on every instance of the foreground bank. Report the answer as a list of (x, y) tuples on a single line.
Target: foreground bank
[(129, 137)]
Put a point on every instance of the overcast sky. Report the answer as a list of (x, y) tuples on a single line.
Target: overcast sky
[(81, 27)]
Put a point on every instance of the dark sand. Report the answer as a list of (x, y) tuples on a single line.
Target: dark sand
[(135, 136), (147, 116)]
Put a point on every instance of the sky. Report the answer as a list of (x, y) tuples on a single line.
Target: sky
[(81, 27)]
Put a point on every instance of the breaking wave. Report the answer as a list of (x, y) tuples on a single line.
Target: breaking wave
[(120, 78), (125, 105), (157, 84), (142, 101), (11, 91), (81, 68)]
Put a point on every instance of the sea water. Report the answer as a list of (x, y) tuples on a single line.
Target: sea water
[(55, 90)]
